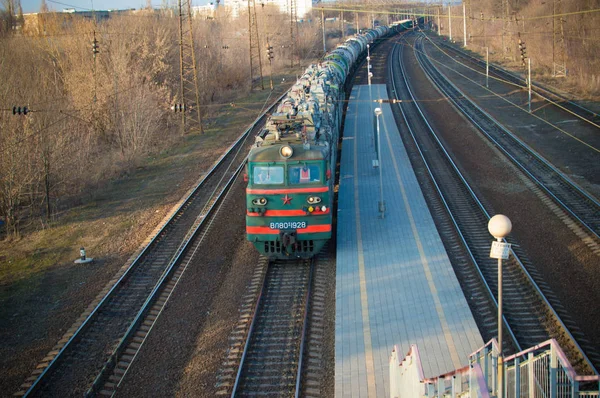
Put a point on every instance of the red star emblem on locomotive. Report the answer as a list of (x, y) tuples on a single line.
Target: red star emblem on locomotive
[(287, 199)]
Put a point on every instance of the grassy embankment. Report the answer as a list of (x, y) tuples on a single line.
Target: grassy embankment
[(111, 222)]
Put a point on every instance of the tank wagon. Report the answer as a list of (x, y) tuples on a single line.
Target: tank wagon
[(291, 166)]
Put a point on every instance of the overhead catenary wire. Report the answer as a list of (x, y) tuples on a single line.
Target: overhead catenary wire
[(513, 84), (510, 102), (211, 105), (413, 11)]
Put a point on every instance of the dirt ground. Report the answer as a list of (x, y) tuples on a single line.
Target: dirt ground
[(42, 292)]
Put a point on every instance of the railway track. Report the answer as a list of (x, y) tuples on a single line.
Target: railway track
[(582, 207), (266, 356), (106, 336), (541, 91), (529, 317), (115, 369)]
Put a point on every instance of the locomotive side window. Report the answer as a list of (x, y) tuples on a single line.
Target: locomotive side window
[(267, 175), (304, 174)]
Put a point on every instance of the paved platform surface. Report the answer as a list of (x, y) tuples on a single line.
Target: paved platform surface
[(395, 284)]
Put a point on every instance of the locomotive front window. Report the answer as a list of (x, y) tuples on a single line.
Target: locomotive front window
[(267, 175), (304, 174)]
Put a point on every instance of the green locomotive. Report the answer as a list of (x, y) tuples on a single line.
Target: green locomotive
[(290, 168)]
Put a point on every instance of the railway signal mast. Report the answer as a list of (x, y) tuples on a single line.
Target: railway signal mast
[(95, 50), (270, 57), (523, 51)]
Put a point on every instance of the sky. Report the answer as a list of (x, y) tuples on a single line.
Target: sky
[(84, 5)]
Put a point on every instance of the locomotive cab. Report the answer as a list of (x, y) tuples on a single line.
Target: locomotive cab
[(288, 201)]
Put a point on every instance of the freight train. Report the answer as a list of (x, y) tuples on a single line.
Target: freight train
[(291, 167)]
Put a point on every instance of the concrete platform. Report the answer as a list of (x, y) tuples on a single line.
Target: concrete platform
[(395, 284)]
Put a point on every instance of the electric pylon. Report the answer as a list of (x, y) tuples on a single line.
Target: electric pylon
[(254, 45), (505, 25), (293, 29), (559, 54), (191, 118)]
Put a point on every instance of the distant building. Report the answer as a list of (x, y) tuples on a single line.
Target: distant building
[(207, 10), (237, 7), (39, 23)]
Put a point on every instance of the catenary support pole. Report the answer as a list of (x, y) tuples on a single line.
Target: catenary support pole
[(529, 81), (323, 23), (464, 24), (487, 66), (450, 21)]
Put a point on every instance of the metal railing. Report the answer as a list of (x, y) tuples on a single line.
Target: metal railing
[(540, 371), (406, 379)]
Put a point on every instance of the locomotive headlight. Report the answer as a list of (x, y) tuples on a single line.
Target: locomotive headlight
[(286, 151), (313, 199), (259, 201), (311, 209), (324, 209)]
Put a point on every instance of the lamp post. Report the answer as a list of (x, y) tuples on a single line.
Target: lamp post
[(381, 202), (500, 226), (369, 74)]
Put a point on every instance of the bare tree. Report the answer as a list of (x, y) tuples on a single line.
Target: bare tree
[(7, 15), (93, 118)]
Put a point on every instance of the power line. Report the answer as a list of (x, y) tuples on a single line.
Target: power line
[(505, 99)]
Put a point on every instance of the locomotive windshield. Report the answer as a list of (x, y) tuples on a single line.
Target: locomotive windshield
[(267, 175), (304, 174)]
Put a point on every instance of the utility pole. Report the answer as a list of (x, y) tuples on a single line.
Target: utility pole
[(450, 21), (254, 45), (487, 66), (342, 25), (464, 24), (293, 29), (439, 27), (529, 82), (505, 25), (189, 93), (323, 25), (469, 21), (356, 18)]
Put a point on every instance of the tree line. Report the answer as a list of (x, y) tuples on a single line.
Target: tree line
[(93, 115)]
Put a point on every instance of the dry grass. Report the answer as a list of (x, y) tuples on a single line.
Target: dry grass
[(108, 220)]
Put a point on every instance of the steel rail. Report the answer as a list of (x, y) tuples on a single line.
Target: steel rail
[(250, 331), (170, 221), (439, 189), (422, 58), (539, 89), (454, 96), (156, 292), (304, 329), (259, 309)]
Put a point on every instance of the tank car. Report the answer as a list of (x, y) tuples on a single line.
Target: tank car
[(290, 168)]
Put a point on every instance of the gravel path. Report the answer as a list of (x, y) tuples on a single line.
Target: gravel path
[(187, 344)]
